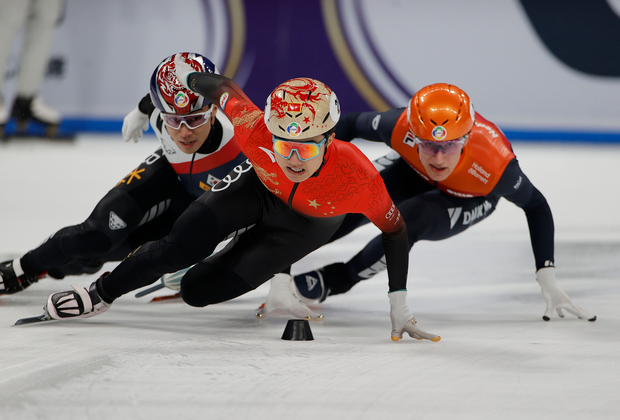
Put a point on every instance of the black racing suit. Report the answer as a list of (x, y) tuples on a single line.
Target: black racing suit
[(143, 206)]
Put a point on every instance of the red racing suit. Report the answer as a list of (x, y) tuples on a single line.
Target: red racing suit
[(347, 181), (274, 221)]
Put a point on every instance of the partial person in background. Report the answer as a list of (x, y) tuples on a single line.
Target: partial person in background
[(453, 168), (38, 19), (294, 192), (197, 150)]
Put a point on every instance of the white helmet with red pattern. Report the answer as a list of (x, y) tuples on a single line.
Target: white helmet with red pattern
[(301, 108)]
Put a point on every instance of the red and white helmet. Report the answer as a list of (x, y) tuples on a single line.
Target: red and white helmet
[(301, 108), (168, 94), (440, 112)]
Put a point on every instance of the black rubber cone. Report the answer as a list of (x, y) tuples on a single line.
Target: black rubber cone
[(298, 330)]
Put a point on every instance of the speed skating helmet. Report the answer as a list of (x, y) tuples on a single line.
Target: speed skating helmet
[(301, 108), (168, 94), (440, 112)]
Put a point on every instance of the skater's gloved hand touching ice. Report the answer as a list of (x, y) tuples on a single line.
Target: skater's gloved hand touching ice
[(283, 297), (556, 298), (403, 321), (134, 124)]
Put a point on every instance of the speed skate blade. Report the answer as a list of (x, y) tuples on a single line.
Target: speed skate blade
[(33, 319), (150, 290)]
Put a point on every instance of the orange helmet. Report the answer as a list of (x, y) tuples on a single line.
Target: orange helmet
[(301, 108), (440, 112)]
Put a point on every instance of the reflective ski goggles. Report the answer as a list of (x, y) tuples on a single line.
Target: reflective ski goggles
[(306, 150), (450, 147), (191, 121)]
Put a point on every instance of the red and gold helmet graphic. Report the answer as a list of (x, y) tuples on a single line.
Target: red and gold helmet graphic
[(168, 94), (440, 112), (301, 108)]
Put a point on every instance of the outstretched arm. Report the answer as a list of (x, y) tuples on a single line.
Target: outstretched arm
[(517, 188), (396, 247), (371, 126), (210, 85)]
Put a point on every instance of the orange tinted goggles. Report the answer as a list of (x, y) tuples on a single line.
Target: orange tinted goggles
[(306, 150)]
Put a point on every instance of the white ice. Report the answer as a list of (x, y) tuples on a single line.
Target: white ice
[(497, 359)]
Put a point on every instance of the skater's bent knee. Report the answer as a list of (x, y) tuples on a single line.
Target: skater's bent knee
[(206, 284)]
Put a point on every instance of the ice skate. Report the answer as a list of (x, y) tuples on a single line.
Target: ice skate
[(13, 279), (78, 302), (26, 110), (311, 286), (283, 298)]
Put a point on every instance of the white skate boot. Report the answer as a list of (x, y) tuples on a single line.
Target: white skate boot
[(76, 303)]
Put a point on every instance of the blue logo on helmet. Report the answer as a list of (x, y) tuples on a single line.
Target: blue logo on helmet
[(293, 129), (439, 133), (181, 100)]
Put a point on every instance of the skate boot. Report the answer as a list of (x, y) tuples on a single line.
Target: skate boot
[(13, 279), (330, 280), (34, 109), (78, 302), (283, 297), (311, 286)]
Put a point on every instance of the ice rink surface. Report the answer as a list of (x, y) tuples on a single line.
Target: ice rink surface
[(497, 359)]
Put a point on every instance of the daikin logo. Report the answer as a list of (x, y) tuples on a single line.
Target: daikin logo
[(478, 212), (454, 214)]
